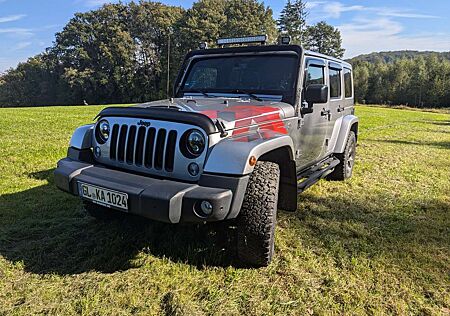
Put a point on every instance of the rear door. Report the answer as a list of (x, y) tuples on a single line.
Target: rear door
[(336, 101), (314, 126), (349, 100)]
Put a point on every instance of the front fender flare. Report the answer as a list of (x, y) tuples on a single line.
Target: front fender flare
[(231, 155), (82, 137)]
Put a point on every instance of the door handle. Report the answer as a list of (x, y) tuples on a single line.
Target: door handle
[(325, 112), (340, 108)]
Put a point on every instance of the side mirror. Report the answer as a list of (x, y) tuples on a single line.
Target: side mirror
[(316, 93)]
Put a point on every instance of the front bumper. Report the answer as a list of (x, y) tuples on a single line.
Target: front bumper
[(158, 199)]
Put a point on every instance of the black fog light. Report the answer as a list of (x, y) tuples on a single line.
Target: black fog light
[(193, 169), (206, 207)]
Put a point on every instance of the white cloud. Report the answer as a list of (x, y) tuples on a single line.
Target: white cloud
[(11, 18), (372, 28), (94, 3), (334, 9), (398, 14), (311, 4), (331, 9), (16, 31), (365, 35), (22, 45)]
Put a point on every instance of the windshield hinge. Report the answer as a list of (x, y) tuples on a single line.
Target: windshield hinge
[(221, 127)]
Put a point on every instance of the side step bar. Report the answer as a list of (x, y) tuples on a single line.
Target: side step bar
[(307, 178)]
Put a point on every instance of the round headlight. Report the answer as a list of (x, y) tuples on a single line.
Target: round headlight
[(103, 131), (195, 142)]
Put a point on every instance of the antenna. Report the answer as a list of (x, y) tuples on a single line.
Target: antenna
[(168, 62)]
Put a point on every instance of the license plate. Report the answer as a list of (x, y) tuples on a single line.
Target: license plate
[(102, 196)]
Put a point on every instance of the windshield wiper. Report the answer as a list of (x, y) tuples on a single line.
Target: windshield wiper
[(197, 91), (251, 95)]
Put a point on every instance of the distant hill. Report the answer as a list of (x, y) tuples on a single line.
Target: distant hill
[(390, 57)]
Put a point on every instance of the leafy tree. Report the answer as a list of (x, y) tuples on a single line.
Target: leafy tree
[(209, 20), (249, 17), (325, 39), (118, 54), (420, 81), (361, 81), (293, 20)]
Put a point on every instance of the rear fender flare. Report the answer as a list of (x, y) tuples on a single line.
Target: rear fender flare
[(342, 128)]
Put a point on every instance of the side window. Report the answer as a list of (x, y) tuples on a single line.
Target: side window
[(314, 75), (335, 83), (348, 83)]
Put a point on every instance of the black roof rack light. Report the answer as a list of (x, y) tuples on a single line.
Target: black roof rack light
[(261, 39)]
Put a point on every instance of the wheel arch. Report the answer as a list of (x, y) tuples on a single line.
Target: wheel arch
[(287, 195), (343, 127)]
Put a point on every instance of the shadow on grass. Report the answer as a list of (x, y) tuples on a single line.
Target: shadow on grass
[(49, 231), (444, 144), (442, 123)]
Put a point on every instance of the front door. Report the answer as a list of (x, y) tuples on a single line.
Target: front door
[(313, 126)]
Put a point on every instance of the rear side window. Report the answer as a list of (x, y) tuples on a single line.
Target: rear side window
[(314, 75), (335, 83), (348, 83)]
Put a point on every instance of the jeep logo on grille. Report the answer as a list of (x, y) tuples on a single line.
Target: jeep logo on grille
[(144, 123)]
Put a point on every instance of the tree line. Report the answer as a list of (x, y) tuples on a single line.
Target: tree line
[(419, 80), (118, 53)]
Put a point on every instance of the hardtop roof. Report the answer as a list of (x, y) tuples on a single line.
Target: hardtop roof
[(265, 48)]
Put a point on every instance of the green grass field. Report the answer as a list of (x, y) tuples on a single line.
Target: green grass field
[(377, 244)]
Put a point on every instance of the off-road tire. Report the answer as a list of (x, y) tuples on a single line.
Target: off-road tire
[(102, 213), (344, 169), (257, 219)]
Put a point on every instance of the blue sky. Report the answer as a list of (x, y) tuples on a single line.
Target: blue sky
[(27, 27)]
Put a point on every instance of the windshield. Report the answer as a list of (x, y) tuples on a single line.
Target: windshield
[(261, 74)]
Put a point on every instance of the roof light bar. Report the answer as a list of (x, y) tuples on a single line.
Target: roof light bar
[(262, 39)]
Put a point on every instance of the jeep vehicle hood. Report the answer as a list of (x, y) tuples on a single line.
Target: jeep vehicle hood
[(234, 113)]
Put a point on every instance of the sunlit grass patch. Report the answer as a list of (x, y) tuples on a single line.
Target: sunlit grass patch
[(377, 244)]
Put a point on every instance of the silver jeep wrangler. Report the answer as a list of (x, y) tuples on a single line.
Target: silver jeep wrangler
[(249, 128)]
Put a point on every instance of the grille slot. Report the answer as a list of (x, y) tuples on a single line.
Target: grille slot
[(130, 144), (159, 148), (114, 135), (146, 147), (139, 153), (122, 143), (149, 145), (170, 151)]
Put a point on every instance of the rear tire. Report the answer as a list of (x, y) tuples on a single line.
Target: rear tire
[(344, 169), (102, 213), (257, 219)]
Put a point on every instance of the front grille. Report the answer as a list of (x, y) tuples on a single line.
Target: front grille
[(143, 147)]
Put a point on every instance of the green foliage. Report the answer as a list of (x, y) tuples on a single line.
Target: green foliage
[(322, 37), (118, 53), (293, 20), (208, 20), (422, 81), (377, 244), (390, 57), (325, 39)]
